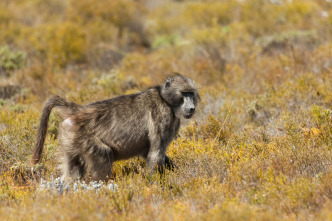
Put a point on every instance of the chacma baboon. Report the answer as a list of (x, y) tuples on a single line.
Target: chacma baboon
[(92, 137)]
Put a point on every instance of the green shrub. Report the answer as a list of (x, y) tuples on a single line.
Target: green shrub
[(11, 59), (164, 41), (304, 39)]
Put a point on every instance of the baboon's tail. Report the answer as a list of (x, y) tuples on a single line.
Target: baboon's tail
[(55, 101)]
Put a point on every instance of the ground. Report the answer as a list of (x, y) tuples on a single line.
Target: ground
[(259, 147)]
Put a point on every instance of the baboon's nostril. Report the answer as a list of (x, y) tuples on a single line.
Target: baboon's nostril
[(192, 110)]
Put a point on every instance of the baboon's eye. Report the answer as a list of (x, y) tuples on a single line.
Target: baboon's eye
[(188, 94)]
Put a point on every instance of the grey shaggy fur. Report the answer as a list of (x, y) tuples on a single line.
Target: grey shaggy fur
[(92, 137)]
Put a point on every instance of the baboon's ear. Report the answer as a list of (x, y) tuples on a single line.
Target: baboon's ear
[(168, 82), (198, 96)]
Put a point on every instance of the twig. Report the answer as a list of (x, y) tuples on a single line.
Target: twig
[(222, 126)]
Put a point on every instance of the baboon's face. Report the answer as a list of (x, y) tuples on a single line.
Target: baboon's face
[(181, 93), (189, 102)]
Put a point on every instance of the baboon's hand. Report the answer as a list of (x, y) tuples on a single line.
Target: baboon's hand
[(169, 164)]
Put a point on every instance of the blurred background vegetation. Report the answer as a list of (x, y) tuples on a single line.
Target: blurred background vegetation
[(260, 145)]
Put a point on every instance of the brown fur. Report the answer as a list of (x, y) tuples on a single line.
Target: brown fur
[(92, 137)]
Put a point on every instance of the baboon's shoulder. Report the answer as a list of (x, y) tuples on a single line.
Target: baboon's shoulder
[(152, 98), (153, 93)]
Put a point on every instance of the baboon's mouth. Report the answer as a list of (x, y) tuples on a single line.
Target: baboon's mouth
[(187, 116)]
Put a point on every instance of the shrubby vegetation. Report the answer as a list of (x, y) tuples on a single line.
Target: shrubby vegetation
[(10, 60), (260, 147)]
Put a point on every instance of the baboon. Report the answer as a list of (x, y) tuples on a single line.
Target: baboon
[(92, 137)]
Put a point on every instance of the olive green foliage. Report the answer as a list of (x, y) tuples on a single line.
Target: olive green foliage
[(11, 60), (259, 147), (281, 40)]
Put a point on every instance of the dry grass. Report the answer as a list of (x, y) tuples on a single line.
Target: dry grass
[(260, 147)]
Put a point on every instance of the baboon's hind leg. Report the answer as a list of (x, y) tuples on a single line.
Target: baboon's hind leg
[(72, 164), (72, 167), (99, 160)]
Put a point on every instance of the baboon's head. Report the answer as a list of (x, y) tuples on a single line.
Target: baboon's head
[(181, 93)]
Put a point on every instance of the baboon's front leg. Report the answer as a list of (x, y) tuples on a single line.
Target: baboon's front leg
[(160, 136), (161, 160), (156, 155), (156, 158)]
